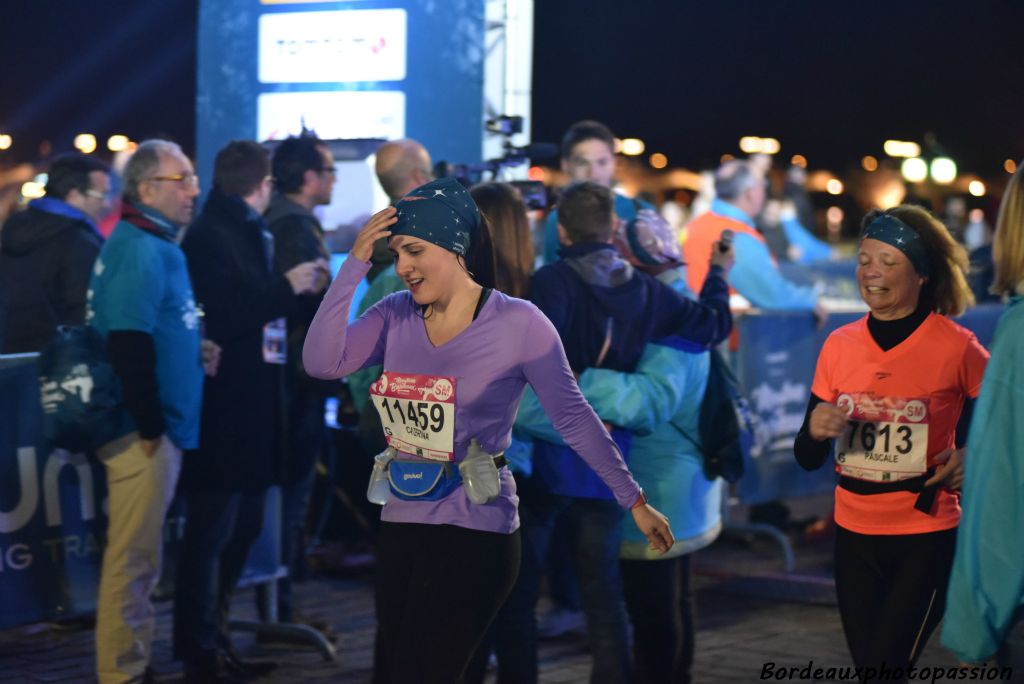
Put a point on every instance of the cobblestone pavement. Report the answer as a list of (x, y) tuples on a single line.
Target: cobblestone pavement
[(750, 613)]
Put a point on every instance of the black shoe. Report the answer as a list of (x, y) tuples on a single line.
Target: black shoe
[(208, 672), (235, 666)]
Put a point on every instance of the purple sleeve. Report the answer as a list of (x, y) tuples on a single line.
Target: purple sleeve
[(547, 371), (333, 349)]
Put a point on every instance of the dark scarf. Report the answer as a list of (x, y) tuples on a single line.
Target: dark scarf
[(149, 220)]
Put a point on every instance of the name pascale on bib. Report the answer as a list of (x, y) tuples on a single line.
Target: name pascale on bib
[(417, 413), (886, 438)]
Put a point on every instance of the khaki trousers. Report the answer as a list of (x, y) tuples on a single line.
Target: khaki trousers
[(139, 489)]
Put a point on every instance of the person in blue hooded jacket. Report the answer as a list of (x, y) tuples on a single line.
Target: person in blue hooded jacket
[(986, 589), (660, 403)]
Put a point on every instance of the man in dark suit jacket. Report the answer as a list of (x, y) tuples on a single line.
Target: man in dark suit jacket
[(230, 257)]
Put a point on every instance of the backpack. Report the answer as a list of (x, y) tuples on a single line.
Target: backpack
[(726, 423), (79, 391)]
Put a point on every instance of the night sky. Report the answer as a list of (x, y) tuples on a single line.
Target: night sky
[(831, 80)]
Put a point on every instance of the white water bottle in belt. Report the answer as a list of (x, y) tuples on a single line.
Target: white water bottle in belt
[(379, 488), (480, 475)]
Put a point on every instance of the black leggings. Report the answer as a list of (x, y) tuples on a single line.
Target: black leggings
[(438, 588), (892, 594), (659, 598)]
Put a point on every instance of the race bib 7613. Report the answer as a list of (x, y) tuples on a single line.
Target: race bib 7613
[(886, 438)]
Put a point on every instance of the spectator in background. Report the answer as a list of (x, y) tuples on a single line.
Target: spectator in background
[(239, 456), (986, 588), (401, 167), (661, 403), (740, 195), (795, 189), (955, 217), (588, 154), (787, 239), (47, 253), (301, 183), (605, 312), (502, 206), (141, 302)]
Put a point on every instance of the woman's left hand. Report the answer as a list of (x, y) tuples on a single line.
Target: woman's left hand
[(655, 527), (951, 472)]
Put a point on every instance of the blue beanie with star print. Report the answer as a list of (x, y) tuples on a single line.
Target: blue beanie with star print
[(441, 212)]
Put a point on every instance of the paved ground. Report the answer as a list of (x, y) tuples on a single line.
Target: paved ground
[(749, 613)]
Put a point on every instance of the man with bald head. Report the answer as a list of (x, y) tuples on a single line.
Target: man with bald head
[(402, 166), (740, 194)]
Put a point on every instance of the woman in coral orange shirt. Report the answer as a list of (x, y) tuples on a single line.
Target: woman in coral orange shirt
[(889, 392)]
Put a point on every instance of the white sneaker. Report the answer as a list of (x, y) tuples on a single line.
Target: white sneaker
[(559, 621)]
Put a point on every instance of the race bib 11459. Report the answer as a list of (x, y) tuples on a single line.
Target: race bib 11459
[(417, 413), (886, 438)]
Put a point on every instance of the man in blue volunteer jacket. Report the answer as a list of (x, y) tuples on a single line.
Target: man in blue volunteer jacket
[(140, 299)]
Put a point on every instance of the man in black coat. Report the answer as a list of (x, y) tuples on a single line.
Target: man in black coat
[(304, 178), (230, 257), (48, 252)]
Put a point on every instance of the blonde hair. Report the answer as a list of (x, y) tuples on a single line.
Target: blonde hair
[(946, 290), (1008, 246)]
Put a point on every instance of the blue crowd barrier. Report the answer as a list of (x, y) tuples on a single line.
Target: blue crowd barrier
[(53, 515)]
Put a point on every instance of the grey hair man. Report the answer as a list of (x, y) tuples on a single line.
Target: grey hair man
[(740, 189), (140, 300)]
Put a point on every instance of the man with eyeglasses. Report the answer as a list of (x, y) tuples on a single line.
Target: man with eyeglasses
[(140, 299), (48, 251)]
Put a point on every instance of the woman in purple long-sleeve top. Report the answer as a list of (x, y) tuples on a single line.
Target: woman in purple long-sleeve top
[(456, 359)]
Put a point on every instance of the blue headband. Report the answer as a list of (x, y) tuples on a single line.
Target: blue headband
[(892, 231), (441, 212)]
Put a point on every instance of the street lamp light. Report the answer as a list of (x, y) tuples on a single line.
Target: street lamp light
[(943, 170), (914, 169)]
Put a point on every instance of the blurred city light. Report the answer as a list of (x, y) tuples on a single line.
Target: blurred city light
[(33, 189), (799, 160), (976, 188), (869, 163), (537, 173), (943, 170), (658, 160), (618, 145), (5, 141), (901, 148), (726, 157), (633, 147), (834, 186), (751, 144), (117, 143), (85, 143), (914, 169), (1010, 166)]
